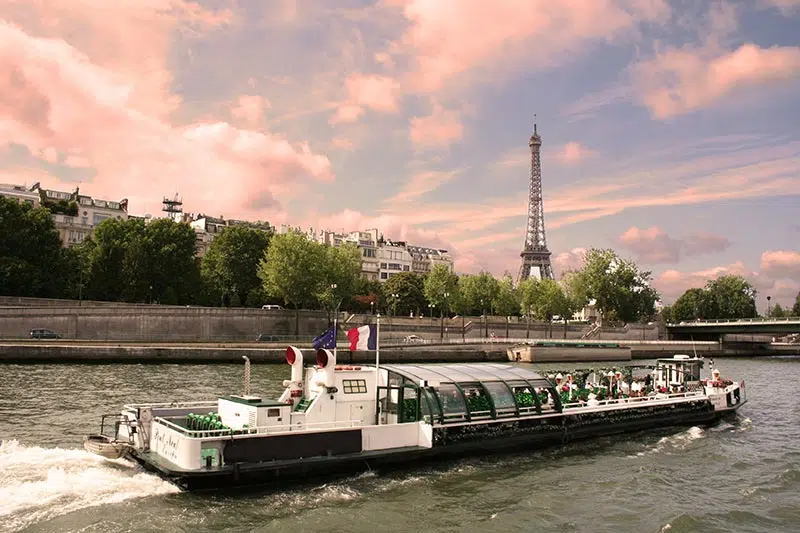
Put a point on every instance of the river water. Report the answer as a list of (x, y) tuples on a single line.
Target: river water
[(741, 475)]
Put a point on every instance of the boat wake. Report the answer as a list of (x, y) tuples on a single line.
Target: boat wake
[(39, 484), (677, 442)]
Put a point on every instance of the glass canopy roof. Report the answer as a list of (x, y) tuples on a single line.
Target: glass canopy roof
[(435, 374)]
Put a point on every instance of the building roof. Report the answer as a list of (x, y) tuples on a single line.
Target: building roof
[(435, 374)]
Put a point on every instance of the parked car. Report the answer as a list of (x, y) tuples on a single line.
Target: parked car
[(41, 333), (269, 307), (413, 339), (263, 337)]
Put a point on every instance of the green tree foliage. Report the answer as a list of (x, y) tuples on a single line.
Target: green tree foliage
[(478, 292), (507, 299), (796, 307), (292, 269), (777, 311), (134, 262), (340, 272), (410, 290), (621, 291), (368, 296), (731, 297), (691, 305), (30, 251), (107, 248), (441, 288), (230, 266)]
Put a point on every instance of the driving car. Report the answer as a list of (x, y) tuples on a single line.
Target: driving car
[(41, 333), (413, 339)]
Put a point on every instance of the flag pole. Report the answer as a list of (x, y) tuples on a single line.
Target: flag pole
[(377, 346), (335, 334)]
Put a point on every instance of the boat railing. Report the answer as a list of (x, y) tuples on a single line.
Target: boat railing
[(170, 405), (257, 430), (658, 398)]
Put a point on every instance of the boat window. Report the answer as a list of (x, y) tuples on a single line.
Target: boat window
[(524, 395), (410, 403), (501, 395), (354, 386), (451, 399), (430, 407), (478, 401)]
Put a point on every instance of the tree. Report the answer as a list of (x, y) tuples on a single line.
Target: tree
[(777, 311), (479, 291), (340, 273), (796, 307), (291, 270), (30, 251), (731, 297), (111, 240), (440, 286), (691, 305), (506, 300), (621, 291), (410, 290), (159, 265), (231, 263)]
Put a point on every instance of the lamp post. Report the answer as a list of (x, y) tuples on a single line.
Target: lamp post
[(394, 296), (372, 307), (485, 321), (528, 323), (431, 307), (442, 312), (769, 308)]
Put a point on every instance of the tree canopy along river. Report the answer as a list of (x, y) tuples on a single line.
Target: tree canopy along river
[(741, 475)]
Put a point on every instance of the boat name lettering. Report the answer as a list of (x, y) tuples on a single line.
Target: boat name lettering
[(166, 444)]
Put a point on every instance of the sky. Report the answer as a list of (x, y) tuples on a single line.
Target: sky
[(670, 128)]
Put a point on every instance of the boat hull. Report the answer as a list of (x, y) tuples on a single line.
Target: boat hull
[(450, 441), (104, 446)]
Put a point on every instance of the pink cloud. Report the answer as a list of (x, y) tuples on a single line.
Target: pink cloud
[(781, 264), (342, 143), (447, 38), (653, 245), (787, 7), (379, 93), (568, 261), (437, 130), (573, 152), (56, 98), (250, 108), (682, 80), (422, 183)]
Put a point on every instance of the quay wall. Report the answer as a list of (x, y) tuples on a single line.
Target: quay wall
[(160, 323), (108, 321), (108, 353)]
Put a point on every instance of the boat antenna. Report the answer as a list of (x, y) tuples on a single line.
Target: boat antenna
[(246, 375), (693, 348)]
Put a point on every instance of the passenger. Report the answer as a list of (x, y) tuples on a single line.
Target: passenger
[(624, 388), (636, 389)]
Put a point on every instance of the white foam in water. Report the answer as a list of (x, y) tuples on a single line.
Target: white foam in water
[(678, 441), (41, 483)]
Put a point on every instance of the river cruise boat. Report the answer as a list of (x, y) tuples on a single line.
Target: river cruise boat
[(339, 419)]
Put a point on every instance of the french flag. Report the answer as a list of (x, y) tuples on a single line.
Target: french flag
[(363, 338)]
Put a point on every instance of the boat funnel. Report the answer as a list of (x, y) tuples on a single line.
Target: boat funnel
[(294, 357), (327, 363)]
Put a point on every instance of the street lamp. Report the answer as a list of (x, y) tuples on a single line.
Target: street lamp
[(485, 321), (768, 305), (431, 307), (442, 313), (335, 319), (394, 296)]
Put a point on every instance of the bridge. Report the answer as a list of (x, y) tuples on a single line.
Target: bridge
[(714, 329)]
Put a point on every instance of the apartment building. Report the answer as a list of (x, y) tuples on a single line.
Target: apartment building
[(207, 228), (20, 193)]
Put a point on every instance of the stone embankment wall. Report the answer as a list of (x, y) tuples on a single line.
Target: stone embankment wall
[(111, 321), (159, 324)]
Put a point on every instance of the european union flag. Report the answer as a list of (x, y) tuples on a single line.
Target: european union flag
[(325, 340)]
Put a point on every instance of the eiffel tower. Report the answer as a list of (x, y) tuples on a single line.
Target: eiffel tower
[(535, 253)]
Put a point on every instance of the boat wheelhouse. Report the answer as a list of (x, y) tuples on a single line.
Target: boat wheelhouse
[(334, 419)]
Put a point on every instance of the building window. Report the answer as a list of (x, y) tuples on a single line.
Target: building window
[(405, 268), (354, 386), (383, 275), (383, 266), (395, 266)]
